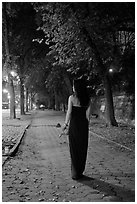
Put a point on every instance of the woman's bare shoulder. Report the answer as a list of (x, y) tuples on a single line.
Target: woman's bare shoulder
[(75, 100), (71, 97)]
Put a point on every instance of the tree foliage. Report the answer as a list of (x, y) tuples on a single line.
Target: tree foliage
[(56, 41), (87, 32)]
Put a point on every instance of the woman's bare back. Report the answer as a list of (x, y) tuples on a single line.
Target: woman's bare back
[(75, 101)]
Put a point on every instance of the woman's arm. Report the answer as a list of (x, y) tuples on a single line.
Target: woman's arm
[(68, 115), (88, 111)]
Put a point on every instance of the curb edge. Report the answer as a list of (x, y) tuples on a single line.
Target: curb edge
[(17, 144)]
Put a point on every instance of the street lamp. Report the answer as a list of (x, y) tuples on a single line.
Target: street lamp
[(111, 70)]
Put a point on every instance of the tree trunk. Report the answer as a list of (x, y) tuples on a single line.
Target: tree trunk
[(109, 102), (107, 85), (8, 66), (68, 83), (31, 104), (22, 112), (12, 98), (27, 97), (64, 108), (57, 104)]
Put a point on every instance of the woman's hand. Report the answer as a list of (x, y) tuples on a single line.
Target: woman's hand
[(64, 127), (64, 130)]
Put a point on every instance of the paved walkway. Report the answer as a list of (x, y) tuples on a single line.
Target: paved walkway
[(41, 169)]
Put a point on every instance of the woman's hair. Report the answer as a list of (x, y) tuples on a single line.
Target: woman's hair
[(81, 91)]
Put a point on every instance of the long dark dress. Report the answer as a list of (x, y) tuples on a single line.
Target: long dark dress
[(78, 140)]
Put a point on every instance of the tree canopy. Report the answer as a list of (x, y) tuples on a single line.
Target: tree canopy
[(87, 34), (54, 42)]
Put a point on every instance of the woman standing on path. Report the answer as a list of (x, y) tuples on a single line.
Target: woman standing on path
[(78, 116)]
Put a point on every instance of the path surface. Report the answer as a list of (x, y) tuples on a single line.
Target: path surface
[(40, 171)]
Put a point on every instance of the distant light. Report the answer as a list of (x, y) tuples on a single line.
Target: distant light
[(8, 96), (13, 73), (110, 70), (5, 91)]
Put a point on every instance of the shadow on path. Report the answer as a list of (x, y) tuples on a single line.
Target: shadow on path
[(115, 193)]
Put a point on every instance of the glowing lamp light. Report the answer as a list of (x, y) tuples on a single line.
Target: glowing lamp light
[(13, 73), (110, 70), (8, 96), (5, 91)]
